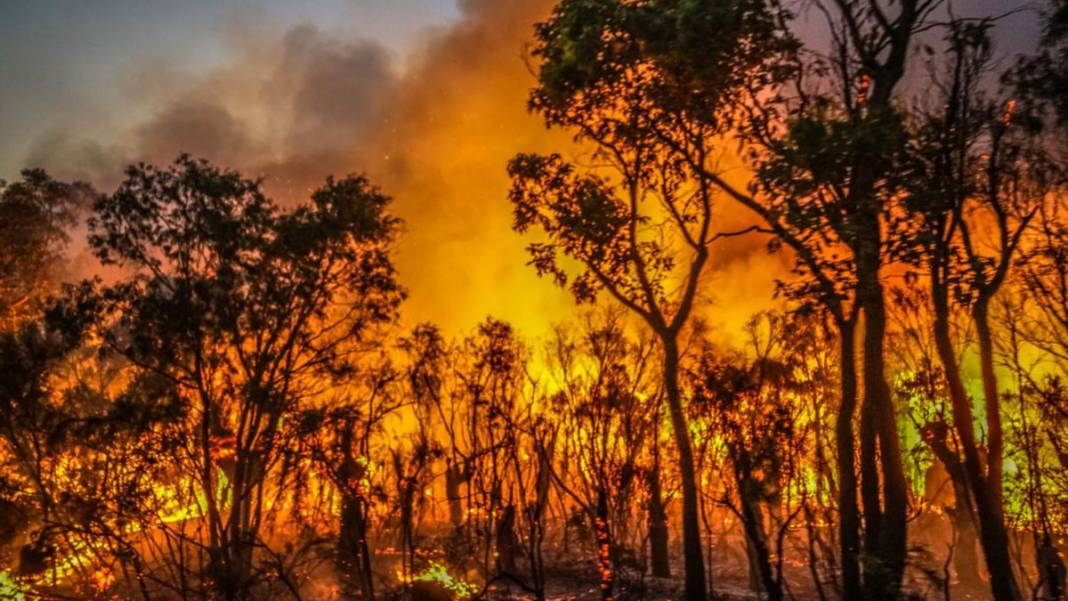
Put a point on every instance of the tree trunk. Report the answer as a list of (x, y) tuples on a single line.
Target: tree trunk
[(849, 520), (885, 574), (869, 479), (995, 436), (1051, 571), (694, 588), (353, 551), (604, 548), (507, 543), (962, 514), (965, 558), (354, 554), (756, 543), (992, 534), (536, 518), (452, 493), (658, 527)]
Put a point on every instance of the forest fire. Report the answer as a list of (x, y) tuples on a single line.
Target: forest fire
[(791, 320)]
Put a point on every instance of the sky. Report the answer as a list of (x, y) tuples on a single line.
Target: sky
[(426, 97), (67, 63)]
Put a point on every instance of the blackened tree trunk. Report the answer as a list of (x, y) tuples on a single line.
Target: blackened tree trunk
[(965, 558), (507, 543), (995, 437), (962, 514), (992, 533), (756, 542), (658, 526), (452, 494), (691, 524), (603, 538), (883, 576), (849, 512), (353, 550), (884, 66), (354, 554), (1051, 570)]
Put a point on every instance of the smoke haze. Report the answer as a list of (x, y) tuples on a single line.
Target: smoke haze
[(298, 104)]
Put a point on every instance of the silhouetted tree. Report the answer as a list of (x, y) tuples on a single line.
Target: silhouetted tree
[(753, 409), (616, 74), (606, 423), (242, 307), (973, 167), (35, 215)]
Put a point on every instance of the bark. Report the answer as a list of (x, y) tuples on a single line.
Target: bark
[(658, 528), (995, 435), (883, 576), (849, 520), (965, 558), (756, 545), (885, 563), (869, 479), (691, 524), (962, 514), (507, 542), (536, 517), (604, 548), (452, 493), (992, 533), (354, 554), (1051, 571)]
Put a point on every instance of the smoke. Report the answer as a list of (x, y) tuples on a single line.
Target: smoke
[(460, 115), (299, 104), (294, 108)]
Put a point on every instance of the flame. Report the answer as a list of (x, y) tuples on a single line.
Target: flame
[(10, 589), (436, 572)]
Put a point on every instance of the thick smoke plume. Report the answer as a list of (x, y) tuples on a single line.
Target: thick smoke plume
[(300, 104)]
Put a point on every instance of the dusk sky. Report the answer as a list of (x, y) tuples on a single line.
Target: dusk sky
[(68, 64)]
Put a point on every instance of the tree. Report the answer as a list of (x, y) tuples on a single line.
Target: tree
[(605, 419), (639, 227), (973, 169), (824, 137), (1041, 79), (77, 443), (753, 408), (35, 216), (31, 424), (244, 308), (339, 436)]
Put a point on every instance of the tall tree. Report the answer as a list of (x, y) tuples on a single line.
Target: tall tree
[(824, 136), (243, 307), (975, 169), (641, 226), (605, 421)]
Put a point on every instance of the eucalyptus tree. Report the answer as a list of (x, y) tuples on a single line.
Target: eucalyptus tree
[(249, 312), (606, 423), (753, 403), (36, 215), (826, 139), (343, 436), (976, 169), (638, 220), (31, 416)]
